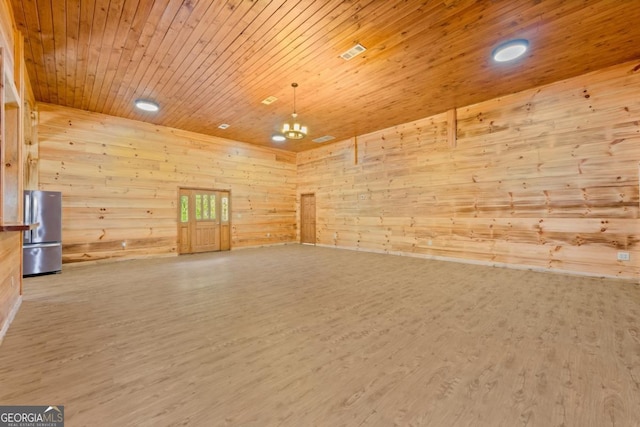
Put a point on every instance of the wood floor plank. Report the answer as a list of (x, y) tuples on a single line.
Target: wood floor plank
[(301, 336)]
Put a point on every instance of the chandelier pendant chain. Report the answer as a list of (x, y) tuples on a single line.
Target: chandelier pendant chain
[(294, 130), (294, 85)]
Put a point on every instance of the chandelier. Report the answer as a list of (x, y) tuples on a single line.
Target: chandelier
[(294, 130)]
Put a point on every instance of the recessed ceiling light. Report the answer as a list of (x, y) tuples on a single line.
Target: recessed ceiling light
[(224, 126), (146, 105), (510, 50), (278, 138)]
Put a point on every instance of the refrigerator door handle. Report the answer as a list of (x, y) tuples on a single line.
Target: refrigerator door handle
[(42, 245), (27, 208), (34, 217), (27, 216)]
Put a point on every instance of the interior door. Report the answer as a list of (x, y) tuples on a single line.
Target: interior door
[(203, 224), (308, 218)]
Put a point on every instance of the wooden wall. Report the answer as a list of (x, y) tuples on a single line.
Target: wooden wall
[(30, 151), (10, 241), (120, 180), (546, 178), (10, 277)]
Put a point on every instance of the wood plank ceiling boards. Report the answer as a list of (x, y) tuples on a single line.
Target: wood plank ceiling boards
[(208, 63)]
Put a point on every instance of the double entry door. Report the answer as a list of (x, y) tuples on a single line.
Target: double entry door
[(203, 221)]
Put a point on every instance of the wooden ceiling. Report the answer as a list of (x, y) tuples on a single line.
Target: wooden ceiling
[(208, 62)]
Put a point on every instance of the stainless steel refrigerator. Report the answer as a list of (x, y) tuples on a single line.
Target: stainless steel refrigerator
[(42, 246)]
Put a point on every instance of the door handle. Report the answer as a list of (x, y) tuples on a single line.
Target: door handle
[(44, 245)]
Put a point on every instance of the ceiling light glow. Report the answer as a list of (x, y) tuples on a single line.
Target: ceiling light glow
[(510, 50), (146, 105), (278, 138)]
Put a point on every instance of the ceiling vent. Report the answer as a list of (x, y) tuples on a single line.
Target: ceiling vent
[(269, 100), (324, 138), (353, 52)]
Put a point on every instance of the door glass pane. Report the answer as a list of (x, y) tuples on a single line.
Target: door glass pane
[(198, 207), (184, 208), (212, 204), (205, 207), (225, 209)]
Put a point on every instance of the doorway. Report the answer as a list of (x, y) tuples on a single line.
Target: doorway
[(203, 221), (308, 218)]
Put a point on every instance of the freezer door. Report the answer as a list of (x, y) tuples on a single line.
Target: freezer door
[(39, 259), (46, 209)]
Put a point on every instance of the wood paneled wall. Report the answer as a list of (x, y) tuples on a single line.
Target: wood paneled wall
[(546, 178), (10, 277), (120, 180), (10, 241), (30, 151)]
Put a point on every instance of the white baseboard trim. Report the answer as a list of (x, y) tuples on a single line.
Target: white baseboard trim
[(10, 317)]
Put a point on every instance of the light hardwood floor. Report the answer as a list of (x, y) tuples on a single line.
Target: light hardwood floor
[(306, 336)]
